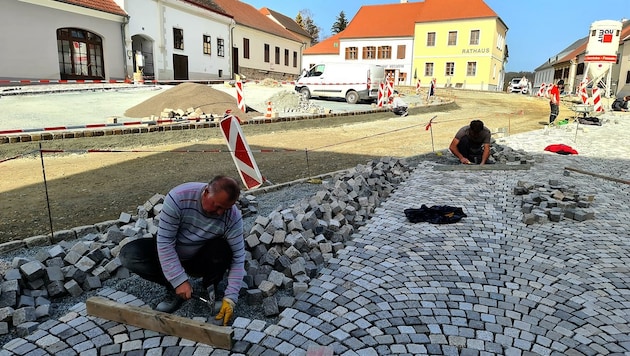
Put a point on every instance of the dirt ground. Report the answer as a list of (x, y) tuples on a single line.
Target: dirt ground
[(86, 188)]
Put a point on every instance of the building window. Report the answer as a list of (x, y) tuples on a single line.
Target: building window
[(402, 49), (286, 57), (246, 48), (267, 54), (352, 53), (428, 69), (500, 41), (471, 69), (277, 55), (431, 39), (384, 52), (80, 54), (220, 47), (294, 59), (474, 37), (369, 52), (178, 38), (450, 69), (207, 45), (452, 38)]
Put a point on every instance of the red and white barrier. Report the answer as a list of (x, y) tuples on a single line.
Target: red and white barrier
[(74, 127), (542, 90), (390, 90), (381, 93), (418, 87), (240, 100), (548, 90), (597, 99), (241, 154), (62, 81), (269, 113), (582, 90)]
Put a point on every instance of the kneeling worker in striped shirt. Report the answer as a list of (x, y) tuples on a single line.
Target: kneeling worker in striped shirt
[(200, 234)]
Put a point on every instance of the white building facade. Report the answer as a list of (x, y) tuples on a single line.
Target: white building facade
[(52, 40)]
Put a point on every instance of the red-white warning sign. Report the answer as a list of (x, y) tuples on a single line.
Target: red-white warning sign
[(241, 154), (240, 100)]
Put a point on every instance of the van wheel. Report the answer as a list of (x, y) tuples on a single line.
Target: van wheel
[(305, 93), (352, 97)]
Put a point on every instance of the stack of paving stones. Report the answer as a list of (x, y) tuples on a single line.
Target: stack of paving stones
[(285, 249), (542, 203), (507, 155), (290, 246)]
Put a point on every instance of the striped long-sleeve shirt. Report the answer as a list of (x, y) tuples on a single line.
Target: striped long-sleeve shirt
[(184, 228)]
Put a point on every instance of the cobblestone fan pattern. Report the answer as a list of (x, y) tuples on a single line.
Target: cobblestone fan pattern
[(487, 285)]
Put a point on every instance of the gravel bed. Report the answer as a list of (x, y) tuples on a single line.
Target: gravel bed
[(152, 293)]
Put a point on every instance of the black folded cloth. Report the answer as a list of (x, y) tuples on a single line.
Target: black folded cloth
[(437, 214)]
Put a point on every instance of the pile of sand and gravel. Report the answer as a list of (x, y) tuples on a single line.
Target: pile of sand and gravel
[(189, 95)]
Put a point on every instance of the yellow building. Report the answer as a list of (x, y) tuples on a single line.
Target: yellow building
[(460, 43)]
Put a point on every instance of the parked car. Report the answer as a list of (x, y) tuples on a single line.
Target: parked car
[(519, 85)]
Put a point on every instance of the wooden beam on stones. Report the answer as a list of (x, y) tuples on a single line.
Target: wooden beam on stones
[(209, 334), (484, 167), (613, 179)]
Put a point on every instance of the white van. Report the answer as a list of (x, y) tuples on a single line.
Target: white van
[(351, 81)]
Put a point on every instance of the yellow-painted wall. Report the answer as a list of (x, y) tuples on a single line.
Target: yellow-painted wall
[(488, 54)]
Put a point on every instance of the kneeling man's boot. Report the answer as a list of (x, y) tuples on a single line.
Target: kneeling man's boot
[(170, 303)]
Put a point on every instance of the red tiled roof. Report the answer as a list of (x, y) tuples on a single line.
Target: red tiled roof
[(398, 20), (285, 21), (576, 52), (391, 20), (402, 17), (327, 46), (246, 15), (443, 10), (108, 6), (208, 5)]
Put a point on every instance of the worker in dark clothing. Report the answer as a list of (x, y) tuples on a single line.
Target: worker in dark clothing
[(471, 144), (621, 104)]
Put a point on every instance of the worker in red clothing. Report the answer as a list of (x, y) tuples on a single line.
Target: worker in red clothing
[(554, 100)]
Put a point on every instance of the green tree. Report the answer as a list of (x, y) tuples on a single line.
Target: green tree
[(305, 19), (340, 24), (299, 20)]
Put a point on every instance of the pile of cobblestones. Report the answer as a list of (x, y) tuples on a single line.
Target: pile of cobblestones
[(552, 202), (285, 249)]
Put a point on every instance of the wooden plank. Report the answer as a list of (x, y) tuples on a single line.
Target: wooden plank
[(213, 335), (485, 167), (613, 179)]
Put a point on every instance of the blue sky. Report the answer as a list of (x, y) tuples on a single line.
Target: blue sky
[(538, 29)]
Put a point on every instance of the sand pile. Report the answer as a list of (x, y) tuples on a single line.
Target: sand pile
[(189, 95)]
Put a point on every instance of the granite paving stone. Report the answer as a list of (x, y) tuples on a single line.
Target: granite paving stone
[(487, 285)]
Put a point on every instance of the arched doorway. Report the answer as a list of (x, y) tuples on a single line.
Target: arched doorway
[(144, 46), (80, 54)]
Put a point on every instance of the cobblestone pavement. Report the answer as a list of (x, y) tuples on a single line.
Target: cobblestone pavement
[(487, 285)]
